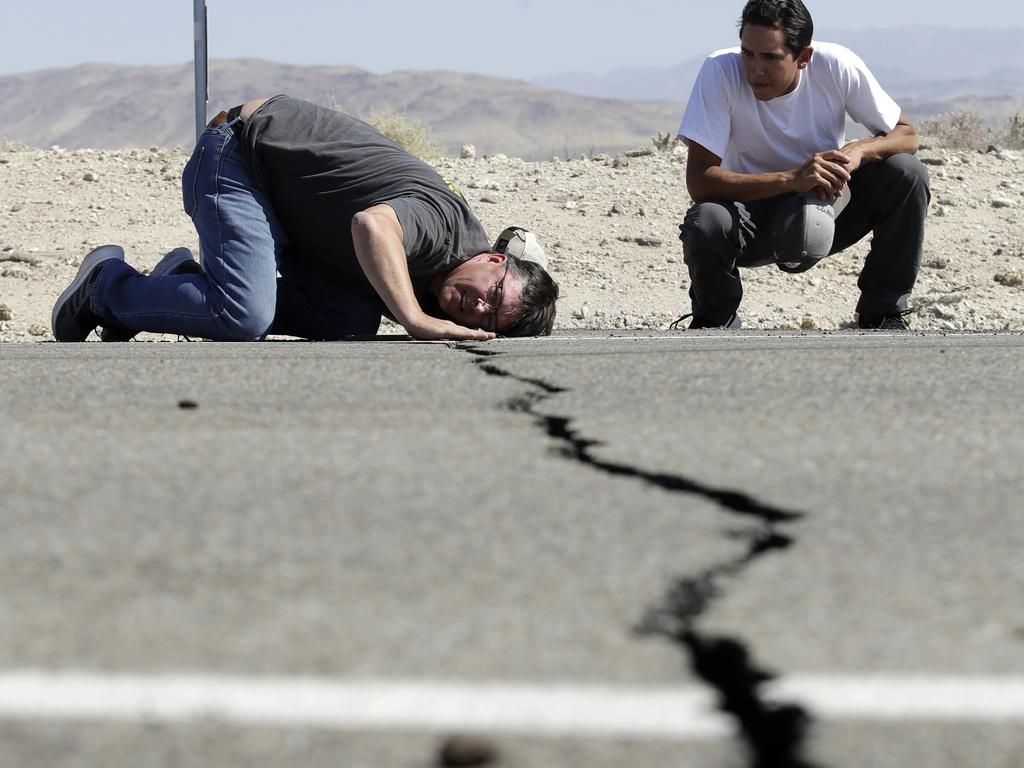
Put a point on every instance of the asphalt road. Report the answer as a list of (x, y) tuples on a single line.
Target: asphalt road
[(691, 512)]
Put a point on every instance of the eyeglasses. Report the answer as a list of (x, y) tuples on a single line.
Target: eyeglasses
[(497, 295)]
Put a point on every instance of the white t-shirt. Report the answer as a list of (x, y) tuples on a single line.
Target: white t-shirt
[(754, 136)]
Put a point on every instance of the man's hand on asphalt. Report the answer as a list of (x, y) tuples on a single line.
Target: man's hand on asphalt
[(428, 328), (378, 237)]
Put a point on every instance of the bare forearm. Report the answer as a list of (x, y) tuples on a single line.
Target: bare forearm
[(902, 139), (716, 183), (382, 258), (827, 172), (378, 239)]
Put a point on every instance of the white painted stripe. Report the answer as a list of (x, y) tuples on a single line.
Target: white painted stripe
[(903, 698), (710, 333), (682, 713), (541, 710)]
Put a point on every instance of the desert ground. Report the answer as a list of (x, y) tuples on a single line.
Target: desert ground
[(608, 223)]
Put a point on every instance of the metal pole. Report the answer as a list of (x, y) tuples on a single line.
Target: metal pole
[(202, 72), (202, 75)]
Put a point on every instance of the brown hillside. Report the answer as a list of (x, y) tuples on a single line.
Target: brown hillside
[(108, 106)]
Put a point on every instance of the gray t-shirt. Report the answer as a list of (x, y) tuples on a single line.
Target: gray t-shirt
[(320, 167)]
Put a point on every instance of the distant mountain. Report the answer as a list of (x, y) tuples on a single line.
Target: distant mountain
[(667, 83), (103, 105), (928, 70)]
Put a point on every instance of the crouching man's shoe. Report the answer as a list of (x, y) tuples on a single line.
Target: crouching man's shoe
[(734, 323), (177, 262), (895, 321), (73, 318)]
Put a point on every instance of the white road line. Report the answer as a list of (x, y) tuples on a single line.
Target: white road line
[(836, 336), (683, 713), (431, 706), (905, 698)]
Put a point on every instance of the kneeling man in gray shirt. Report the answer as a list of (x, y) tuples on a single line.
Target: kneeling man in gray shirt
[(314, 224)]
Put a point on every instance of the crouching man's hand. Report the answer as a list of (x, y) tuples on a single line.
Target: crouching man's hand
[(828, 172)]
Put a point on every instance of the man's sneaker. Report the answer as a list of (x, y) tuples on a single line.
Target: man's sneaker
[(72, 318), (896, 321), (734, 323), (177, 262)]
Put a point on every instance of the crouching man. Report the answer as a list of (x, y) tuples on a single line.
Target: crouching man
[(314, 224), (774, 180)]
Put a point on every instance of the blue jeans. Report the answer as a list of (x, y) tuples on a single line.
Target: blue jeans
[(238, 296)]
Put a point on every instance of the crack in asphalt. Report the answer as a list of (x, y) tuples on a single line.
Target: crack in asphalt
[(774, 733)]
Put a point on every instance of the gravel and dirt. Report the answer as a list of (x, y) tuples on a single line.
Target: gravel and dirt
[(608, 223)]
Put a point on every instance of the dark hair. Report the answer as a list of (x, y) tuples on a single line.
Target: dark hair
[(538, 299), (791, 16)]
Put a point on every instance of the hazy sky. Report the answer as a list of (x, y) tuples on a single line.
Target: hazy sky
[(519, 38)]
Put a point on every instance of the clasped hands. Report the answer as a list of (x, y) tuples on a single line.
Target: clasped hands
[(827, 172)]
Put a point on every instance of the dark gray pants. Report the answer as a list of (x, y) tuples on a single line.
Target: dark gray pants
[(889, 198)]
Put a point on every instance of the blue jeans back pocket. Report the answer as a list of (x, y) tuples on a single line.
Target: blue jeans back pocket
[(189, 179)]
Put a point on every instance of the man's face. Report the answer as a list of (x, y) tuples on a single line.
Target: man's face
[(772, 69), (471, 293)]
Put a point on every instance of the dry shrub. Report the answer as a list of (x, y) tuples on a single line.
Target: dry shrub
[(1015, 132), (413, 134), (666, 142), (958, 130)]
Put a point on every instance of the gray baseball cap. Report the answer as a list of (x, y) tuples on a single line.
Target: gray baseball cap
[(521, 243), (803, 229)]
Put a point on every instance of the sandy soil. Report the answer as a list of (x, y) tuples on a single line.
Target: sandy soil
[(609, 225)]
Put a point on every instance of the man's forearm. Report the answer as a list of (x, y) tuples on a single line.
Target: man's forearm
[(902, 139), (382, 257), (378, 239), (719, 184)]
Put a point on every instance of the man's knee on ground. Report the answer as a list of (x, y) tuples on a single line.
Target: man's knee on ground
[(245, 323), (706, 226)]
